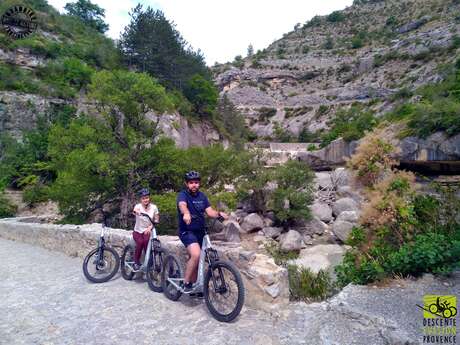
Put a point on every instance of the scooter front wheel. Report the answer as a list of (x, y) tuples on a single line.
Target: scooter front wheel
[(223, 291), (172, 270), (127, 260), (101, 269), (155, 269)]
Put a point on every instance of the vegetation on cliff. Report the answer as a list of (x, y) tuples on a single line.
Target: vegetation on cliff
[(402, 231), (106, 155)]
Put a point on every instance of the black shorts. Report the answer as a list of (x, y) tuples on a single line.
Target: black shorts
[(188, 237)]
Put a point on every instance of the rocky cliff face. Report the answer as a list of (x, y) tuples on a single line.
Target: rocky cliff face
[(20, 112), (366, 53)]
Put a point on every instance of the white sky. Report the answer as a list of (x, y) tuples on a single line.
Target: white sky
[(222, 29)]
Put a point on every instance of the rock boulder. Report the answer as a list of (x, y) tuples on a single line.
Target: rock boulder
[(291, 240), (344, 204), (342, 229), (320, 257), (322, 211), (252, 222)]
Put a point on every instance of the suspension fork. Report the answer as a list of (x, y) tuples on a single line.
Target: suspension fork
[(100, 252), (154, 254), (211, 255)]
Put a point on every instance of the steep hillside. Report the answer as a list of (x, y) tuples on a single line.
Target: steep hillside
[(375, 53), (46, 75)]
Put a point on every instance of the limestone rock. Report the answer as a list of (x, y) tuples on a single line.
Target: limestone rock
[(322, 180), (322, 211), (344, 204), (330, 156), (291, 240), (240, 214), (232, 231), (320, 257), (252, 222), (348, 192), (348, 216), (268, 222), (342, 229), (312, 226), (272, 232), (414, 25)]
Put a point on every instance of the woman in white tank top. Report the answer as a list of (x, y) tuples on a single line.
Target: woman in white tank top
[(143, 227)]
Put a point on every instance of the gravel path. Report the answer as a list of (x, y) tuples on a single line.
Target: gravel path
[(46, 300)]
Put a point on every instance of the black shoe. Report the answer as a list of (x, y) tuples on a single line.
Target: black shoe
[(188, 287), (136, 267)]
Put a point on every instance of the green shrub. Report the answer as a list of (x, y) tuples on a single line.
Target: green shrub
[(329, 43), (315, 21), (373, 157), (7, 209), (305, 136), (358, 270), (202, 94), (226, 199), (181, 103), (66, 76), (238, 62), (401, 233), (166, 204), (289, 200), (357, 43), (265, 113), (438, 111), (455, 42), (312, 147), (403, 93), (336, 16), (305, 285), (430, 252), (282, 135), (323, 109), (35, 193), (293, 112), (391, 21), (17, 79), (350, 124), (358, 40)]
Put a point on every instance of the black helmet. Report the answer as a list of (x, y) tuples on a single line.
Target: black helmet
[(192, 175), (144, 192)]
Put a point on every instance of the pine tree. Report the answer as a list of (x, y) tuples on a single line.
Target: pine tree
[(151, 44)]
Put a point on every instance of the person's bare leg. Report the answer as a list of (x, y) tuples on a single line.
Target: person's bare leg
[(191, 268)]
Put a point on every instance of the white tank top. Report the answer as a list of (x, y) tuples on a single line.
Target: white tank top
[(142, 222)]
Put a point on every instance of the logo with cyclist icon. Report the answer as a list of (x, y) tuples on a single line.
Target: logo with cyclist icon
[(439, 306)]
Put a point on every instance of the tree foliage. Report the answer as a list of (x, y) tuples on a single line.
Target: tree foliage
[(152, 44), (91, 14), (202, 94)]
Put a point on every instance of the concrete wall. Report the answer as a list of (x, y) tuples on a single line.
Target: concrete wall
[(266, 284)]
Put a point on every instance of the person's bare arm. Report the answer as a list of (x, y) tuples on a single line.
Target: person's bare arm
[(215, 214), (185, 212)]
